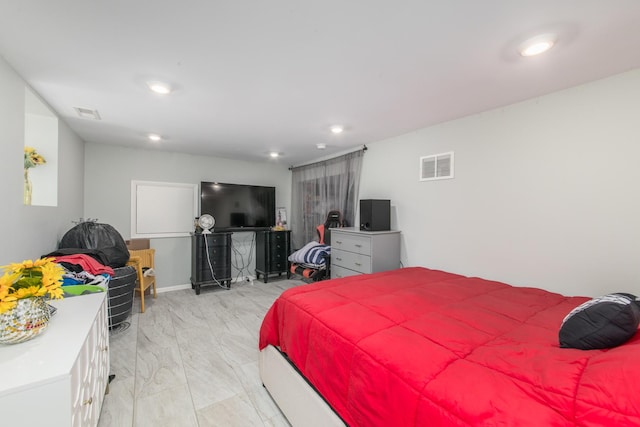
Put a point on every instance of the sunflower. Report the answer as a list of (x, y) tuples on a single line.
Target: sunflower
[(32, 158), (30, 279)]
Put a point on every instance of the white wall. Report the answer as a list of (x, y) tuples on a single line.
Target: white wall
[(27, 232), (545, 192), (109, 170)]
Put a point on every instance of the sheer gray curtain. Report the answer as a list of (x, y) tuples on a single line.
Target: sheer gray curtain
[(322, 187)]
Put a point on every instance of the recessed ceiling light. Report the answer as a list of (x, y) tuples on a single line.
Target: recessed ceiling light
[(154, 137), (321, 146), (337, 129), (274, 154), (537, 45), (159, 87)]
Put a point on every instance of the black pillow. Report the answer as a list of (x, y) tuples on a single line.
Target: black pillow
[(603, 322)]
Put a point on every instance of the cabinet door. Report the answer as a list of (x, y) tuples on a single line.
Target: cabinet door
[(77, 389), (90, 374), (100, 366)]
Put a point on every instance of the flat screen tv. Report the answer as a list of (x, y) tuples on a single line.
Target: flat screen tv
[(238, 207)]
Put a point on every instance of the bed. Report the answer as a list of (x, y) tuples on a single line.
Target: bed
[(429, 348)]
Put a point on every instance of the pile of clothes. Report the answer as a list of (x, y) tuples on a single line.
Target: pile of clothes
[(82, 269), (86, 268)]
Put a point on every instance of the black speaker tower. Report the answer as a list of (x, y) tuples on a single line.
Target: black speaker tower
[(375, 215)]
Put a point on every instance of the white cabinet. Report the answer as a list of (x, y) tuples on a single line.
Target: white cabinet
[(360, 252), (59, 378)]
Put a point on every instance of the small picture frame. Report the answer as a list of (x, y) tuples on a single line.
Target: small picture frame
[(281, 217)]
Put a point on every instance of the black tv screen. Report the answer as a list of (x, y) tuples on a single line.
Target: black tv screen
[(236, 206)]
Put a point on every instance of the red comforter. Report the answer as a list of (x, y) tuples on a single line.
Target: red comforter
[(428, 348)]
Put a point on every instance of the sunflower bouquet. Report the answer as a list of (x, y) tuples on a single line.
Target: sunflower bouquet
[(30, 279), (32, 158)]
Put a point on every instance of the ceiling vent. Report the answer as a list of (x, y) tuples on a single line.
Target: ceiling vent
[(437, 166), (86, 113)]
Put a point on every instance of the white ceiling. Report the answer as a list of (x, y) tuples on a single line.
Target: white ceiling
[(255, 76)]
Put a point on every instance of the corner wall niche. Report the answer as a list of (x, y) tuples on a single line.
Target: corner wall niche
[(41, 135)]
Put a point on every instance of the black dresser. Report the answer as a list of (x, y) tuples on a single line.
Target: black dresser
[(215, 249), (272, 250)]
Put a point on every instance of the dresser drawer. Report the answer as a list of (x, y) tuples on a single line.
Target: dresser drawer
[(338, 272), (351, 242), (212, 240), (278, 238), (221, 272), (351, 260), (279, 248), (278, 266), (278, 257)]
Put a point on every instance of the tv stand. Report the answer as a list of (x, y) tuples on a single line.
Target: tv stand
[(209, 252)]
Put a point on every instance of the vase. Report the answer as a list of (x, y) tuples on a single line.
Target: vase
[(28, 319), (27, 188)]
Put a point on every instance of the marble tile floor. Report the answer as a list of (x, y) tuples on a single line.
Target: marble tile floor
[(192, 360)]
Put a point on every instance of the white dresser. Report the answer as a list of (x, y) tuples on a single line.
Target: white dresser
[(58, 378), (360, 252)]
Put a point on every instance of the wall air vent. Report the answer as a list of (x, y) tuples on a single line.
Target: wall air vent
[(437, 166), (87, 113)]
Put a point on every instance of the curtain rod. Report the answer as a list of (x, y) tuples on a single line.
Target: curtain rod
[(333, 156)]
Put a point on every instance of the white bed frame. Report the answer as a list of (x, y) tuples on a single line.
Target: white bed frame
[(295, 397)]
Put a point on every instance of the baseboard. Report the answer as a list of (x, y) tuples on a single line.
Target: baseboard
[(163, 289)]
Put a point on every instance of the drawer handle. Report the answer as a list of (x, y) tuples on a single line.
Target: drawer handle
[(338, 258), (358, 246), (339, 242), (357, 263), (89, 401)]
